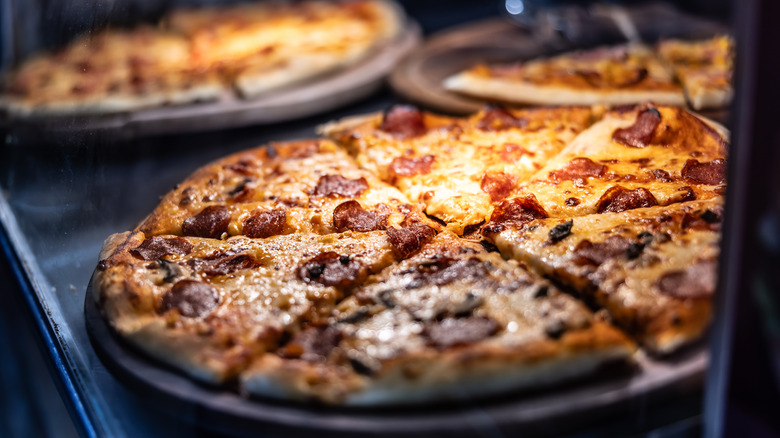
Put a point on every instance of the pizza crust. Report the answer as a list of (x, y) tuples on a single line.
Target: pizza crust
[(530, 94)]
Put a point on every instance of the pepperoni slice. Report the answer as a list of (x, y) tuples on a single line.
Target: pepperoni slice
[(265, 224), (211, 222), (223, 263), (711, 173), (698, 281), (498, 185), (402, 166), (587, 252), (452, 332), (404, 122), (640, 134), (192, 298), (408, 240), (330, 269), (517, 212), (314, 344), (617, 199), (499, 119), (156, 246), (338, 186), (352, 216), (577, 168)]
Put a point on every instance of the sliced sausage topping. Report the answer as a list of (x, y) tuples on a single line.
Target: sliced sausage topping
[(211, 222)]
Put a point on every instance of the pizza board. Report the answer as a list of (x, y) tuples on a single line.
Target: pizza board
[(418, 78), (314, 96), (608, 396)]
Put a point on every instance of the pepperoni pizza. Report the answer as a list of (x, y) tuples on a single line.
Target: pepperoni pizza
[(317, 270)]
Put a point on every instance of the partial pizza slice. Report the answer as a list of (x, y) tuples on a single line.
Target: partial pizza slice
[(457, 168), (282, 188), (634, 157), (653, 269), (617, 75), (265, 46), (452, 321), (208, 306), (705, 69), (110, 71)]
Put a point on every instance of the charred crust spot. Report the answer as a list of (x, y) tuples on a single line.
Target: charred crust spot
[(707, 220), (403, 122), (271, 152), (541, 291), (555, 329), (697, 281), (560, 231), (193, 299), (710, 173), (514, 212), (408, 240), (350, 215), (634, 250), (710, 216), (241, 191), (262, 224), (170, 269), (617, 199), (579, 168), (242, 167), (338, 186), (498, 185), (453, 332), (156, 246), (211, 222), (314, 344), (499, 119), (402, 166), (331, 269), (572, 202), (640, 134)]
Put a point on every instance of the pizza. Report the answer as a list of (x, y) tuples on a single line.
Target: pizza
[(674, 72), (318, 270), (109, 71), (457, 168), (200, 55), (703, 67), (615, 75)]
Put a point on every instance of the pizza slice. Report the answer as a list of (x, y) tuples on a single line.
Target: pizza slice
[(616, 75), (653, 269), (266, 46), (452, 321), (304, 186), (457, 168), (109, 71), (208, 306), (705, 69), (634, 157)]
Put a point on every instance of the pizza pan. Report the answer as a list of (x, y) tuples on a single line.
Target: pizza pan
[(418, 78), (318, 95), (614, 395)]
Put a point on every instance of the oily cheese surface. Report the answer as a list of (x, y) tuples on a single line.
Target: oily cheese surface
[(321, 270), (458, 168)]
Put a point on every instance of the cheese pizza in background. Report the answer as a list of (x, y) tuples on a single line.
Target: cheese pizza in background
[(200, 54), (676, 72)]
